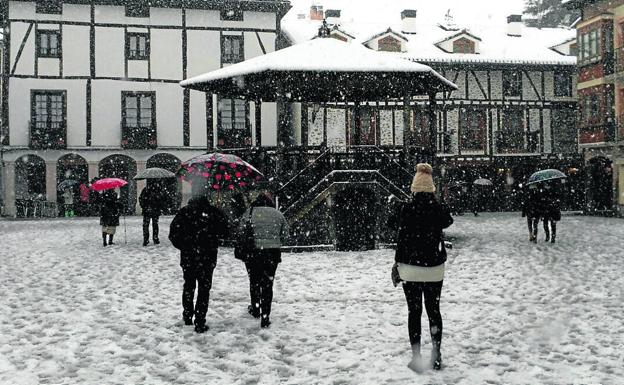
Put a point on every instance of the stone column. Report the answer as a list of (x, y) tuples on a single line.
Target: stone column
[(140, 184), (94, 170), (51, 181), (9, 188)]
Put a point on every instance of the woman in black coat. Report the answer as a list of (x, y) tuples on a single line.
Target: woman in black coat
[(550, 211), (420, 258), (531, 209), (110, 210)]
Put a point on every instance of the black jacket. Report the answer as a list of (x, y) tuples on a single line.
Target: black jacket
[(152, 202), (419, 240), (197, 228), (110, 209)]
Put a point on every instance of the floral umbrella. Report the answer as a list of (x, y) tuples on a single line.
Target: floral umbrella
[(222, 171)]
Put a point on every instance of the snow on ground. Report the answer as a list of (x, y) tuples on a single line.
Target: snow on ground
[(73, 312)]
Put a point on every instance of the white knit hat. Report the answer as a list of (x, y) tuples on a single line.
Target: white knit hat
[(423, 180)]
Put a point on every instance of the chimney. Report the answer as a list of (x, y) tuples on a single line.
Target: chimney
[(514, 25), (316, 12), (408, 18), (332, 16)]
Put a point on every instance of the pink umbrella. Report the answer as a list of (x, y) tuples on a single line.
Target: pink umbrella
[(108, 184)]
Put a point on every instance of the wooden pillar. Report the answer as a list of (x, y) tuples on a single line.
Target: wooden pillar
[(407, 129), (433, 134), (304, 125), (357, 125), (258, 115)]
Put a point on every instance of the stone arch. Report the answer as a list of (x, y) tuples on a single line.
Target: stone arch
[(600, 173), (30, 184), (124, 167), (172, 186), (72, 167)]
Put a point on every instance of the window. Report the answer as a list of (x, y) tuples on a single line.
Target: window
[(232, 14), (421, 132), (463, 45), (511, 136), (232, 49), (367, 125), (138, 9), (48, 43), (472, 123), (49, 6), (512, 83), (574, 51), (47, 125), (138, 120), (233, 128), (563, 84), (389, 44), (137, 46), (590, 45), (591, 108)]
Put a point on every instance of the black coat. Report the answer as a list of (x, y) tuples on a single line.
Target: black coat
[(532, 203), (196, 230), (419, 240), (152, 202), (110, 209)]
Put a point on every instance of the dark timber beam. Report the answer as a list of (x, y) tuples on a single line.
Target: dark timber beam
[(21, 48), (258, 116)]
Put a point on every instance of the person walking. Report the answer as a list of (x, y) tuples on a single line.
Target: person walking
[(531, 209), (195, 231), (110, 210), (419, 261), (151, 201), (551, 211), (68, 202), (270, 229)]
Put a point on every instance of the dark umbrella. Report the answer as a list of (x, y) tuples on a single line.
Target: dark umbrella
[(545, 175), (67, 184), (154, 173), (221, 171), (483, 182)]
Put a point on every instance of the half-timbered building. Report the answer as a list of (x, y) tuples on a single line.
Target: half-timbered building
[(90, 88)]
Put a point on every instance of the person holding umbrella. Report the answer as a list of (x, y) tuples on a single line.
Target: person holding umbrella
[(110, 206), (110, 210), (152, 200), (547, 200), (195, 231)]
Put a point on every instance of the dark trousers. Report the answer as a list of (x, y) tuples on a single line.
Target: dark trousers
[(552, 232), (197, 273), (532, 223), (261, 270), (413, 294), (146, 222)]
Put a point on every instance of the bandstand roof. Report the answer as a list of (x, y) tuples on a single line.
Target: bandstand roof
[(322, 70)]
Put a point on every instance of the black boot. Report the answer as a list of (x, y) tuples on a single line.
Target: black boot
[(104, 239), (265, 322), (156, 241), (436, 357), (201, 328), (110, 239), (416, 364), (145, 242)]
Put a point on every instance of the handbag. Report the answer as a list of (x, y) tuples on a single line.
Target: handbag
[(246, 241)]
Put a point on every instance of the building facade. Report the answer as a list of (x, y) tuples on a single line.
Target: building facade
[(600, 35), (90, 89)]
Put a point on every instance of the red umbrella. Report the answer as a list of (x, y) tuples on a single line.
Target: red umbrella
[(222, 171), (108, 184)]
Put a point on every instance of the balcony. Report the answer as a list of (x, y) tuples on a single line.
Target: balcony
[(138, 138), (47, 136)]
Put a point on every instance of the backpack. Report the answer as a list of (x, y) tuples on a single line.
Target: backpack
[(246, 242)]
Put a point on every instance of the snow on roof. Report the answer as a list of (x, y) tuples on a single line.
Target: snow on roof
[(533, 47), (319, 55)]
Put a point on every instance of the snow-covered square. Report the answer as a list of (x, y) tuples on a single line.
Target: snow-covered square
[(74, 312)]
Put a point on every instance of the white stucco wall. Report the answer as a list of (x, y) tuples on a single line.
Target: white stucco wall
[(204, 52), (26, 64), (76, 49), (166, 53), (109, 52)]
